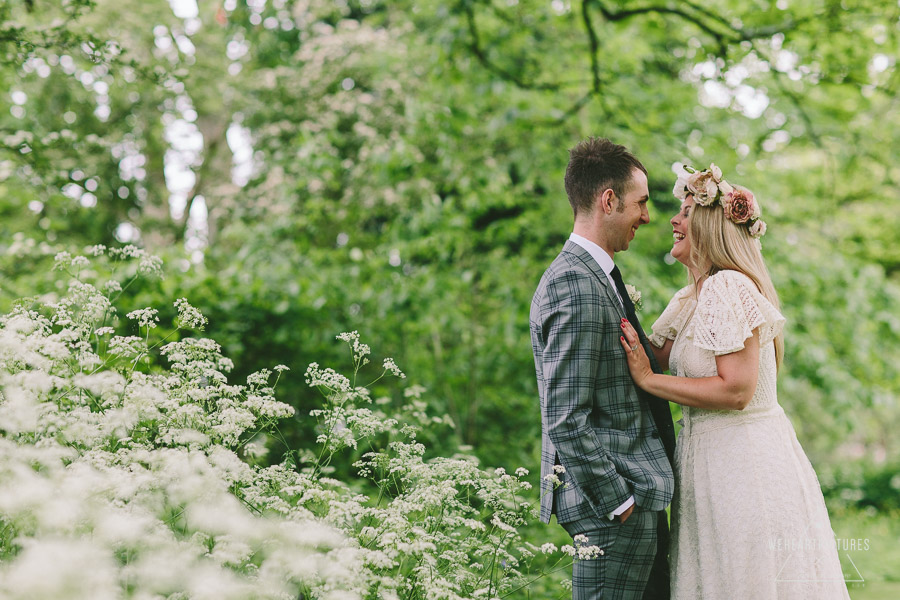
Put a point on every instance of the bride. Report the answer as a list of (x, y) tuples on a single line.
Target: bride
[(748, 518)]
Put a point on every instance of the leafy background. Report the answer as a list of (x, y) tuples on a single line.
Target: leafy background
[(395, 167)]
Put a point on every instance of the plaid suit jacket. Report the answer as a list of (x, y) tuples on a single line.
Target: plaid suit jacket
[(595, 422)]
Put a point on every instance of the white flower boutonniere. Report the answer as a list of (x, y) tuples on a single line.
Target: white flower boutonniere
[(635, 296)]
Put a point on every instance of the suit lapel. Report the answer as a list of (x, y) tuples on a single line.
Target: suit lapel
[(659, 409), (588, 260)]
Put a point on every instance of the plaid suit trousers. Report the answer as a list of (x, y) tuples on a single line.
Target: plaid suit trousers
[(633, 565)]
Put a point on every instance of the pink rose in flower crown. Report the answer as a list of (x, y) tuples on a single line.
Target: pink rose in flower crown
[(698, 186), (705, 185), (740, 206), (758, 229)]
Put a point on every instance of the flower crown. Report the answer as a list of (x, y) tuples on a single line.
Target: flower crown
[(707, 187)]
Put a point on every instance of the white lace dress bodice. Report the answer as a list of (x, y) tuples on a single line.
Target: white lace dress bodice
[(748, 518)]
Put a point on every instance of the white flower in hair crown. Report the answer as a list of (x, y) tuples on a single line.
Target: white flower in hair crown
[(635, 295), (707, 187)]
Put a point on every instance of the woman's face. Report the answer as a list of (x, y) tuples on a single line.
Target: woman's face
[(681, 223)]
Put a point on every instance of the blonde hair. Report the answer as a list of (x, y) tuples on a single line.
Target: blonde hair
[(718, 244)]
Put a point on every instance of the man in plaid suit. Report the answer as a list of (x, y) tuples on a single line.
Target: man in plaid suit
[(609, 443)]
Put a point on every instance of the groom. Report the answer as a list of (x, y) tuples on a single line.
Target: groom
[(610, 444)]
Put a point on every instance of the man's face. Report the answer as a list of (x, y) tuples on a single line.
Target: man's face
[(629, 212)]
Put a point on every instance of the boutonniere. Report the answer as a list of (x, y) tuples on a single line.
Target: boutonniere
[(635, 296)]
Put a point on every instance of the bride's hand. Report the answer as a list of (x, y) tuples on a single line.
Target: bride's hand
[(638, 363)]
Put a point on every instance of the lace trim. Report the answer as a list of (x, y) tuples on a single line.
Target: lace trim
[(674, 317), (728, 310)]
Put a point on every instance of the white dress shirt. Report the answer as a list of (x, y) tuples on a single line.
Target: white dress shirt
[(606, 263)]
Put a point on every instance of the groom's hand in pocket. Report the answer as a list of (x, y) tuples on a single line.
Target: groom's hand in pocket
[(622, 518)]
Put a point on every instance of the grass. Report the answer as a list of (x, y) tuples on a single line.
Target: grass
[(870, 542)]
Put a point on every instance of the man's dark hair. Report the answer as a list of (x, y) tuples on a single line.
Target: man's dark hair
[(597, 164)]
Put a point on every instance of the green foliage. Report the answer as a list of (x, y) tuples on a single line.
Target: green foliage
[(862, 484), (406, 180)]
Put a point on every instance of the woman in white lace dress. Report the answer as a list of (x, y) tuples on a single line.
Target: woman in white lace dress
[(748, 518)]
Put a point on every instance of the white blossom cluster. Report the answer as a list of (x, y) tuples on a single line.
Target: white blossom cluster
[(120, 483), (146, 317), (360, 351), (449, 529), (188, 316), (391, 367), (582, 550)]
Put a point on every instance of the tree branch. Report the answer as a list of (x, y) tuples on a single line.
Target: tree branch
[(724, 32), (621, 15), (478, 50), (727, 33), (594, 43)]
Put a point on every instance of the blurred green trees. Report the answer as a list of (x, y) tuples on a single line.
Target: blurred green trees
[(396, 168)]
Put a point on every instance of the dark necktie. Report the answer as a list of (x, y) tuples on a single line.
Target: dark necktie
[(626, 300), (659, 409)]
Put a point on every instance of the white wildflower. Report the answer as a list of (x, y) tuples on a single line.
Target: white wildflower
[(414, 391), (267, 406), (127, 251), (391, 366), (474, 525), (146, 317), (188, 316), (150, 266), (497, 522), (105, 384), (360, 350), (61, 261), (126, 346), (589, 552), (256, 448), (260, 378), (328, 378), (348, 337), (81, 568)]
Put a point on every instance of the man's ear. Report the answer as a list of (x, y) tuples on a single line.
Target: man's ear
[(605, 201)]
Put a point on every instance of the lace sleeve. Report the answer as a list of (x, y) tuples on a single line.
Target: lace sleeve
[(729, 309), (674, 318)]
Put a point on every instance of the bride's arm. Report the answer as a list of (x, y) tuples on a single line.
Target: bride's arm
[(662, 354), (731, 389)]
